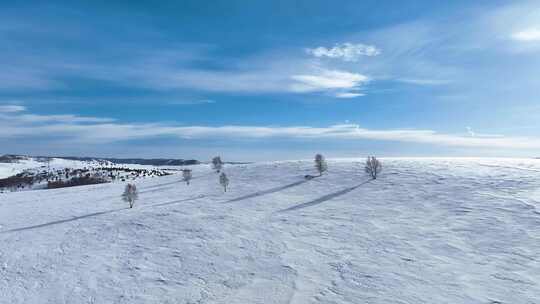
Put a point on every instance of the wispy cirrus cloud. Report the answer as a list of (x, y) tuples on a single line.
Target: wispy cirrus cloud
[(96, 130), (11, 108), (422, 53), (165, 68), (427, 82), (255, 75), (32, 118), (192, 102)]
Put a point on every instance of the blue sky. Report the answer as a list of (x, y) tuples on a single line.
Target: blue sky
[(261, 80)]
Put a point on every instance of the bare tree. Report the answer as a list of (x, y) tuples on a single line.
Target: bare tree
[(217, 164), (130, 194), (186, 173), (320, 164), (224, 181), (373, 167)]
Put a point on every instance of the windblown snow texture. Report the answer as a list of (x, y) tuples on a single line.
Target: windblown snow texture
[(426, 231)]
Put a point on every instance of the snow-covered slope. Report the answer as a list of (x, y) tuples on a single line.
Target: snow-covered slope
[(30, 163), (427, 231), (13, 168), (23, 173)]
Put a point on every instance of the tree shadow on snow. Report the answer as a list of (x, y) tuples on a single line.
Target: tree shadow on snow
[(323, 199), (174, 202), (76, 218), (264, 192)]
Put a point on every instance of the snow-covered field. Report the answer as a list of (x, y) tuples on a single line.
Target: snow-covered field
[(427, 231)]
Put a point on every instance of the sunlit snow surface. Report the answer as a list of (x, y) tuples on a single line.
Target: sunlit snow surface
[(427, 231)]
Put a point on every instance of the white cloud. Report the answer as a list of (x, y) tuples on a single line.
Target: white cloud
[(12, 115), (330, 80), (349, 95), (251, 76), (91, 130), (426, 82), (171, 70), (192, 102), (531, 34), (11, 108), (345, 51), (32, 118), (470, 131), (518, 21)]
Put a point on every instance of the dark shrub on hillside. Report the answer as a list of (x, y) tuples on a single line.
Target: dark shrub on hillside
[(76, 181), (16, 181)]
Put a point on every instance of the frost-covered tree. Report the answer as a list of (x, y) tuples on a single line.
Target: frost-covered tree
[(217, 164), (130, 194), (320, 164), (186, 173), (373, 167), (224, 181)]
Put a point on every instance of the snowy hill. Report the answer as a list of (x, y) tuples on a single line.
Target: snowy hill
[(23, 163), (427, 231), (22, 173)]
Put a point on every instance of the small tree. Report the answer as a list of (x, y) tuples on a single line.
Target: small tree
[(186, 173), (217, 164), (320, 164), (224, 181), (373, 167), (130, 194)]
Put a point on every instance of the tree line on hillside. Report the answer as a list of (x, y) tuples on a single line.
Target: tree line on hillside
[(372, 167)]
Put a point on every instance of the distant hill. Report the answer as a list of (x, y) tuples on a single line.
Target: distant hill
[(10, 158), (140, 161)]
